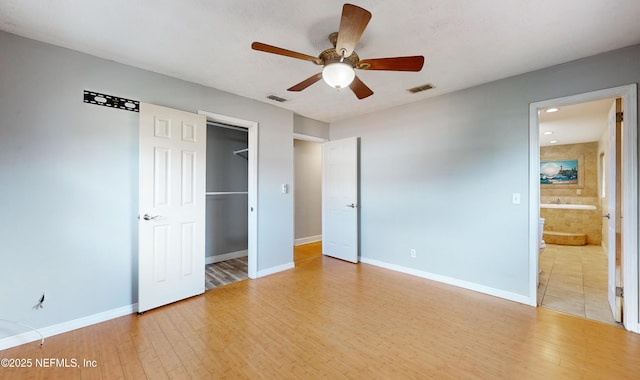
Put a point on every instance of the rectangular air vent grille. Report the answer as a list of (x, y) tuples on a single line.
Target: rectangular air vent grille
[(276, 98), (417, 89)]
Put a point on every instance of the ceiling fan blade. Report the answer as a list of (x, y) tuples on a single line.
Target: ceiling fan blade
[(354, 21), (413, 63), (287, 53), (306, 83), (360, 89)]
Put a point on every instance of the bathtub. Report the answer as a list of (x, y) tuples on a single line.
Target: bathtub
[(567, 206)]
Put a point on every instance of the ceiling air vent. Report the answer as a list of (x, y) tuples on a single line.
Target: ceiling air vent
[(276, 98), (417, 89)]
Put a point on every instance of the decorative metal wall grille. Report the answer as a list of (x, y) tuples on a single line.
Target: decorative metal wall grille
[(111, 101)]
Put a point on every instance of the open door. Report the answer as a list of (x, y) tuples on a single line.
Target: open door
[(613, 212), (171, 206), (340, 199)]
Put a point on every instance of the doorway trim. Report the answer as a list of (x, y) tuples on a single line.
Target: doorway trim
[(629, 192), (252, 127)]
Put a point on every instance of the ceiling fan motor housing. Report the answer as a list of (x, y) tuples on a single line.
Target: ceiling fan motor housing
[(332, 56)]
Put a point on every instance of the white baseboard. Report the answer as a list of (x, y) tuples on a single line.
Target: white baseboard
[(225, 256), (32, 336), (307, 240), (451, 281), (272, 270)]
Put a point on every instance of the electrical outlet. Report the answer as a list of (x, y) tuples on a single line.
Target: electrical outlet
[(413, 253)]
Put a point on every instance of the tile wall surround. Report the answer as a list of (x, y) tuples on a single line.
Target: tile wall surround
[(587, 222)]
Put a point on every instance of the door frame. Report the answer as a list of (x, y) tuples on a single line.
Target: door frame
[(252, 127), (614, 211), (629, 192)]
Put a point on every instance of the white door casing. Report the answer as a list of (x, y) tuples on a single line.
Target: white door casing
[(172, 206), (340, 199)]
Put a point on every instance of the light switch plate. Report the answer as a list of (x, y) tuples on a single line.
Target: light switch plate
[(516, 198)]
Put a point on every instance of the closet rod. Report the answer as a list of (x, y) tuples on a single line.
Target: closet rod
[(226, 192)]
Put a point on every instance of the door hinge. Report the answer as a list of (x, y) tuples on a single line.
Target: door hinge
[(619, 291), (619, 117)]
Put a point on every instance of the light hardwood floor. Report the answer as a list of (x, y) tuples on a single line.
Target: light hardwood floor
[(332, 319)]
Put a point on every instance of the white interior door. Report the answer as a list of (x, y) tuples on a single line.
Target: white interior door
[(171, 206), (612, 212), (340, 199)]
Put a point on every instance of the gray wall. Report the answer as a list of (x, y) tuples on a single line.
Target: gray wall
[(69, 179), (227, 215), (308, 189), (437, 175), (310, 127)]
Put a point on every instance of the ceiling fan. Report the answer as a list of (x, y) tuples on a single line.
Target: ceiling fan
[(340, 61)]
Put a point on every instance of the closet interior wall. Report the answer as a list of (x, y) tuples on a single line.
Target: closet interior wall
[(227, 185)]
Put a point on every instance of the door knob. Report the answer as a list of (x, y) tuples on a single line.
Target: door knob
[(352, 205), (149, 217), (608, 216)]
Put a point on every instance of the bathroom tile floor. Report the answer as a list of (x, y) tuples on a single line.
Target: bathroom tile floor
[(574, 281)]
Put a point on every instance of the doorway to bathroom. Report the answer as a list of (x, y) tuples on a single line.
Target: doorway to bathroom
[(573, 184), (573, 266)]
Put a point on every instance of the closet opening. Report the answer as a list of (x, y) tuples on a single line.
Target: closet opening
[(227, 209)]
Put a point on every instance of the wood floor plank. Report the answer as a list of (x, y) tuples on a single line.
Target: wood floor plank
[(331, 319), (226, 272)]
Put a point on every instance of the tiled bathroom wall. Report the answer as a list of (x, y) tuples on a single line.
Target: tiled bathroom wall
[(588, 222)]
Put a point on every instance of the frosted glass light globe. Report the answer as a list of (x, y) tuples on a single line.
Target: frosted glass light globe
[(338, 74)]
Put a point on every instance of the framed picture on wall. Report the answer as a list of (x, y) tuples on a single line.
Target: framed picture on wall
[(562, 172)]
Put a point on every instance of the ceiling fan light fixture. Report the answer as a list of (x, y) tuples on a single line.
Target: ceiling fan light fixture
[(338, 74), (341, 60)]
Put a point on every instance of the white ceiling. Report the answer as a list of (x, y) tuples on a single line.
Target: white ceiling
[(574, 124), (465, 42)]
